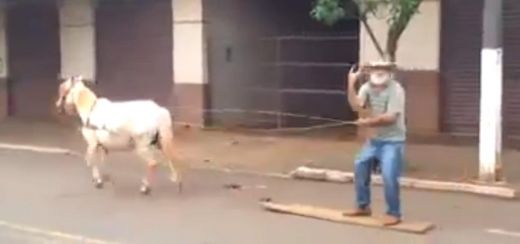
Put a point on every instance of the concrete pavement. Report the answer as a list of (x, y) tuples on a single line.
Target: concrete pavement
[(53, 193)]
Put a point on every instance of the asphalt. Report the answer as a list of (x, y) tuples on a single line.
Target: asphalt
[(50, 199)]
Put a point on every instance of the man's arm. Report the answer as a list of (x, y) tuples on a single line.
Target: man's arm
[(356, 100), (381, 120)]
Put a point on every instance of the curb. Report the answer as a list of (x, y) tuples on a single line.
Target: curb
[(336, 176)]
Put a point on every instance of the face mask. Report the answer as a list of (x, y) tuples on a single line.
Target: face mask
[(380, 77)]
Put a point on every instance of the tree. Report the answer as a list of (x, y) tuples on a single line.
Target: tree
[(397, 14)]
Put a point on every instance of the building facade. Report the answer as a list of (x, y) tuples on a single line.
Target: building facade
[(188, 55), (254, 55), (439, 55)]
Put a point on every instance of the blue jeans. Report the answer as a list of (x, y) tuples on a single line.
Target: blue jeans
[(390, 154)]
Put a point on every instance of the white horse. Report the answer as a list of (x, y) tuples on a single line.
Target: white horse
[(139, 125)]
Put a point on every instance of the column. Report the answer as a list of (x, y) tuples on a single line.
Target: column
[(77, 34), (3, 67), (189, 61), (490, 139)]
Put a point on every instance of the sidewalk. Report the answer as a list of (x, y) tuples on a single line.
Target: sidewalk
[(277, 154)]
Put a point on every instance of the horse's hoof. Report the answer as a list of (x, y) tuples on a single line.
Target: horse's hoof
[(98, 183), (106, 177), (145, 190)]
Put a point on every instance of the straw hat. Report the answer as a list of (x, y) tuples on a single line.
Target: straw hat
[(380, 71), (381, 65)]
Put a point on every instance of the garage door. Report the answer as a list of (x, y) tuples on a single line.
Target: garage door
[(511, 102), (134, 49), (460, 65), (34, 58)]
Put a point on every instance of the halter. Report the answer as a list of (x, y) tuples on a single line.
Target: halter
[(87, 121), (87, 124)]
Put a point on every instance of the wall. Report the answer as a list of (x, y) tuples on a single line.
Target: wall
[(418, 59)]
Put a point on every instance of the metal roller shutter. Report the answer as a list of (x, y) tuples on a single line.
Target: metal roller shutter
[(511, 102), (134, 49), (461, 42)]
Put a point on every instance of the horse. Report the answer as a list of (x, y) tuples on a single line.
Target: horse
[(139, 125)]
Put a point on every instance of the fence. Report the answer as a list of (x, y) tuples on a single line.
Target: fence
[(299, 75)]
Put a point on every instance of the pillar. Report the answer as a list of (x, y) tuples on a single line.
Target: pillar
[(189, 61), (4, 92), (490, 139), (77, 35)]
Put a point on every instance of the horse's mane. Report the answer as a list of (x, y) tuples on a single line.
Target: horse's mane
[(85, 100)]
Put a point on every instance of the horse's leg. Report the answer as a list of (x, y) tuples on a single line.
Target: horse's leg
[(102, 152), (146, 153), (92, 149), (175, 164), (90, 159), (149, 179), (89, 155), (176, 175)]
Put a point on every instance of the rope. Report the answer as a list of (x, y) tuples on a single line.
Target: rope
[(332, 122), (266, 112)]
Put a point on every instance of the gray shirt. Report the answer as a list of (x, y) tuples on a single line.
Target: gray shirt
[(389, 100)]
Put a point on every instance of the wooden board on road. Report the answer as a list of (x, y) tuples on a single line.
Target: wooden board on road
[(335, 215)]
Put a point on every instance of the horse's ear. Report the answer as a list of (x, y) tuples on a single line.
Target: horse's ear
[(60, 78), (89, 83)]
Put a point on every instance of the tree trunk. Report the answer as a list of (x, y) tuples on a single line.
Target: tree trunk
[(372, 36), (393, 36), (391, 48)]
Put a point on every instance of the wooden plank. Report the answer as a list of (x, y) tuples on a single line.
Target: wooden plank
[(334, 215)]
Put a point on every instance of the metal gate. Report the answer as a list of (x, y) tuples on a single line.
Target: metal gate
[(461, 42), (310, 74), (294, 81), (134, 43), (271, 55)]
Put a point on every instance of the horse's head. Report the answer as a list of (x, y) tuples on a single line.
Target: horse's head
[(65, 102)]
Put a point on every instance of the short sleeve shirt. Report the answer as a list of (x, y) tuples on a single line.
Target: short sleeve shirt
[(389, 100)]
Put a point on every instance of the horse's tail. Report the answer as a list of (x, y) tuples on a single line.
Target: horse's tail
[(167, 146), (166, 136)]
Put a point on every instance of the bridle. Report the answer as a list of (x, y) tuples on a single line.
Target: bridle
[(63, 98)]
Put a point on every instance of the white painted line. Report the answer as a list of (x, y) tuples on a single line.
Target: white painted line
[(51, 233), (39, 149), (503, 232)]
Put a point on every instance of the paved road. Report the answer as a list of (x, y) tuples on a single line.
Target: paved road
[(49, 199)]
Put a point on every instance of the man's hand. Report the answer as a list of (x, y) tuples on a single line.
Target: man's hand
[(381, 120), (364, 122), (354, 74), (355, 100)]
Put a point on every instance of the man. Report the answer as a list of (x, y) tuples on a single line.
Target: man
[(386, 99)]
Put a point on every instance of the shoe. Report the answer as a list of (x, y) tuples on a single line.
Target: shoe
[(358, 212), (389, 220)]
